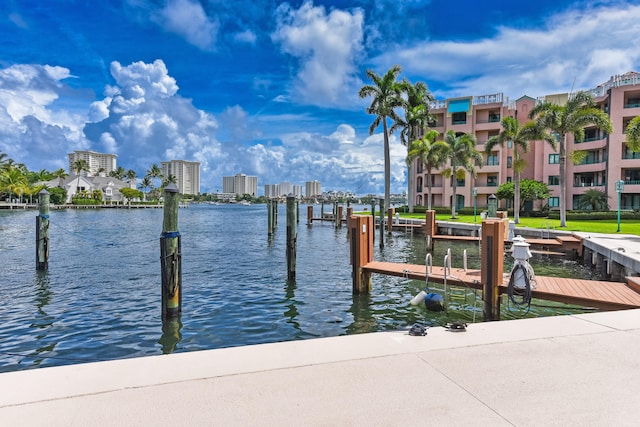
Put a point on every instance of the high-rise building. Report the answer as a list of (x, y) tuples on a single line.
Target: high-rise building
[(187, 175), (96, 162), (607, 157), (270, 190), (312, 189), (240, 184)]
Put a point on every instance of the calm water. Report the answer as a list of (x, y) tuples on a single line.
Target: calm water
[(100, 298)]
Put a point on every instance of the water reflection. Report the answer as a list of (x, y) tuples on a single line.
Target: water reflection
[(363, 319), (171, 335), (292, 311)]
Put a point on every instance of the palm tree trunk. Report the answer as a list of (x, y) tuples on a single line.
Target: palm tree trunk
[(563, 182), (410, 194), (516, 198), (453, 196), (387, 167), (429, 189)]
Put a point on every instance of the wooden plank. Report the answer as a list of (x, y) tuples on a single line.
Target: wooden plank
[(590, 293)]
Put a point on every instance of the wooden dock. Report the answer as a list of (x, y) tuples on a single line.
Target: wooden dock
[(588, 293)]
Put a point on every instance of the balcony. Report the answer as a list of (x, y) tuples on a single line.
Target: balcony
[(589, 184), (630, 155), (632, 103)]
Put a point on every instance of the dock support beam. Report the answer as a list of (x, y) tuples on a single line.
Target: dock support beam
[(361, 230), (430, 228), (492, 265), (310, 215), (390, 213), (381, 224), (42, 231), (171, 255), (292, 237)]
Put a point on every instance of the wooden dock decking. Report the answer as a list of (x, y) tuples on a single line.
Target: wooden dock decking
[(588, 293)]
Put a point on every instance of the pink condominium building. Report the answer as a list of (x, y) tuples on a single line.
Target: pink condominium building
[(608, 160)]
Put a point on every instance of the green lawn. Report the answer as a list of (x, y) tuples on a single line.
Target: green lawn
[(600, 226)]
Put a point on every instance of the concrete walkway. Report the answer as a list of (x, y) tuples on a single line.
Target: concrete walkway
[(576, 370)]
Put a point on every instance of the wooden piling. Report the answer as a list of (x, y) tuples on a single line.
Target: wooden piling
[(42, 231), (310, 215), (339, 219), (292, 236), (492, 265), (349, 211), (171, 255), (373, 216), (269, 217), (361, 229), (381, 223), (430, 228), (390, 213)]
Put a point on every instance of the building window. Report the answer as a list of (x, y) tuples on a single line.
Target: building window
[(492, 160), (494, 117), (509, 144), (509, 162), (459, 182), (459, 118), (554, 180), (554, 159), (554, 202), (492, 181), (509, 179)]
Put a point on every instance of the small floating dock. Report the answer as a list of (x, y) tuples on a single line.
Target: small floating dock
[(588, 293)]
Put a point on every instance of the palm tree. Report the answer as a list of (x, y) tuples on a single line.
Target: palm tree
[(520, 136), (386, 94), (3, 160), (579, 111), (61, 174), (118, 173), (462, 154), (594, 200), (169, 179), (633, 134), (130, 175), (13, 181), (79, 166), (144, 184), (431, 153), (414, 123)]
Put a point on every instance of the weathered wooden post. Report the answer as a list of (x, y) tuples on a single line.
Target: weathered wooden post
[(361, 229), (339, 219), (274, 206), (390, 213), (297, 211), (373, 216), (381, 223), (349, 212), (269, 217), (322, 211), (310, 215), (335, 214), (292, 236), (171, 255), (492, 266), (42, 231), (430, 228)]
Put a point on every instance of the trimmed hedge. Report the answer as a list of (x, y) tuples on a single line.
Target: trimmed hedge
[(594, 216)]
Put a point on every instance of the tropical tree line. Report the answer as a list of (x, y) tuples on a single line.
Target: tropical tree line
[(403, 106), (17, 182)]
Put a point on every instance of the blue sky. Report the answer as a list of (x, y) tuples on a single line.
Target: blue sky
[(269, 88)]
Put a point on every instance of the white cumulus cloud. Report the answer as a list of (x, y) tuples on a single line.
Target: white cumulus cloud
[(327, 46)]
